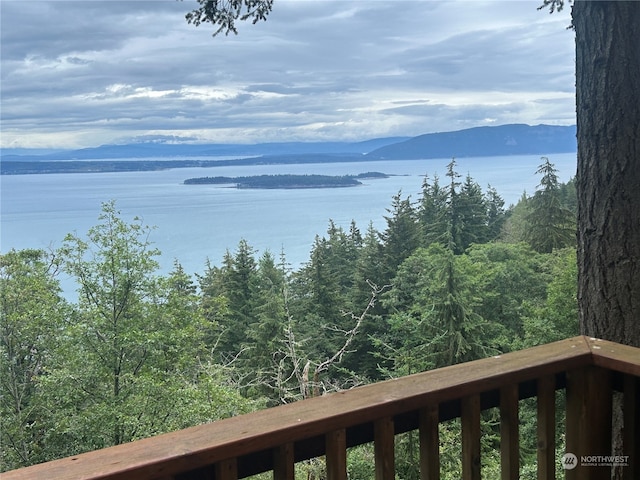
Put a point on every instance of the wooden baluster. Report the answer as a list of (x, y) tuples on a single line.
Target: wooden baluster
[(336, 454), (283, 462), (227, 469), (509, 433), (546, 428), (589, 405), (631, 440), (429, 443), (470, 417), (384, 443)]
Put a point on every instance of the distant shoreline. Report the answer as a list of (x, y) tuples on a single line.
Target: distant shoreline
[(13, 167), (484, 141)]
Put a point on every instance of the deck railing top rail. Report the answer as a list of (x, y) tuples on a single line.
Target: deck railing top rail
[(169, 454)]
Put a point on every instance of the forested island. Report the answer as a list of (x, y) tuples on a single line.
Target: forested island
[(287, 181)]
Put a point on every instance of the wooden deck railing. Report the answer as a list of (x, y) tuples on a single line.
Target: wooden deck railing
[(275, 439)]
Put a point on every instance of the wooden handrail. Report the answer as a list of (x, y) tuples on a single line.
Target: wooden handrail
[(273, 439)]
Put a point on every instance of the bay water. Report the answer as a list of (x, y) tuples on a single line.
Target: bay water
[(194, 223)]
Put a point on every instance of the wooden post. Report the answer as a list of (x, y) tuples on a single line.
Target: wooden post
[(509, 433), (546, 428), (589, 406), (631, 433), (384, 443), (227, 469), (336, 448), (283, 462), (429, 443), (471, 437)]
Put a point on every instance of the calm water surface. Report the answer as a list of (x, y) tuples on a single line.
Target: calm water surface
[(199, 222)]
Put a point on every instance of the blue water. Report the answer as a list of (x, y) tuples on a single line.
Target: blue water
[(199, 222)]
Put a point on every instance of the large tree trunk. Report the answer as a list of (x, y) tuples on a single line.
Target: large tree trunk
[(608, 175)]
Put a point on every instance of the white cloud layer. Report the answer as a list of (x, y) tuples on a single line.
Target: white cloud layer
[(84, 73)]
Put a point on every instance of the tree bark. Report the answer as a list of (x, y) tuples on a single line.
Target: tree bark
[(608, 173)]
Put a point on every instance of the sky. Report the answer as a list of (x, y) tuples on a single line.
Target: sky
[(85, 73)]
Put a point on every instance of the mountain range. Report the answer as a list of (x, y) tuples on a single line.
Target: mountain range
[(513, 139)]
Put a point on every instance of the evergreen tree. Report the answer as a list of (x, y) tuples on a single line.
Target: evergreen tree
[(213, 303), (550, 224), (180, 325), (368, 274), (239, 282), (265, 335), (435, 320), (515, 226), (318, 299), (473, 214), (432, 212), (496, 214), (342, 254), (569, 196), (401, 237), (453, 215), (368, 268)]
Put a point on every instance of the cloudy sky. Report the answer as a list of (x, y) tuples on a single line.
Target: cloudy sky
[(92, 72)]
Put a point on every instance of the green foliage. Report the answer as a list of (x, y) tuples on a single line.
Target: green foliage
[(142, 353), (31, 313), (512, 279), (222, 15), (459, 214), (473, 214), (435, 312), (557, 317), (432, 212), (515, 226), (550, 224), (401, 237), (265, 334), (127, 362)]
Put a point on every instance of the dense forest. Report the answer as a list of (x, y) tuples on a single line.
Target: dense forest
[(454, 276)]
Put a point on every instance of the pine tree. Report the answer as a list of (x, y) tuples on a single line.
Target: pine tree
[(550, 225), (453, 215), (496, 214), (401, 237), (264, 336), (240, 281), (432, 211), (473, 214), (435, 320)]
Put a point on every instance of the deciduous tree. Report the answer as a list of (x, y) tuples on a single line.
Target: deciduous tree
[(31, 315), (131, 360)]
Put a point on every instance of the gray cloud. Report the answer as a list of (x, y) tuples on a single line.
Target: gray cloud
[(82, 73)]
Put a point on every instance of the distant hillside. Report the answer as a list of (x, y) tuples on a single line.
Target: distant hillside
[(164, 150), (517, 139), (473, 142)]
